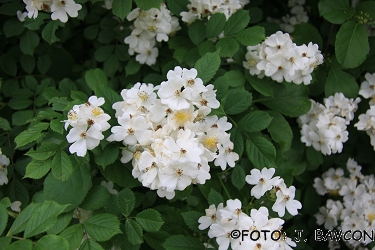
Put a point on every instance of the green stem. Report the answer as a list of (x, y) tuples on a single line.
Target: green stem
[(14, 215), (222, 184)]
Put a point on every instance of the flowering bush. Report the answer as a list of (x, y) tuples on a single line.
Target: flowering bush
[(187, 124)]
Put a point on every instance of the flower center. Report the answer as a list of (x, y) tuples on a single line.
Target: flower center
[(210, 142), (97, 111), (177, 93), (371, 216), (181, 117), (143, 95), (190, 82), (252, 62), (179, 172)]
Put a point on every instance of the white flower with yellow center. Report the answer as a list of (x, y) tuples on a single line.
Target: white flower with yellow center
[(263, 181), (141, 94), (84, 139), (61, 8), (285, 199), (131, 129), (183, 150), (179, 118), (4, 162), (172, 94)]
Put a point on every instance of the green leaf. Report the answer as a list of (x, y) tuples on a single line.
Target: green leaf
[(352, 45), (44, 64), (23, 218), (31, 134), (315, 158), (102, 227), (255, 121), (126, 201), (304, 33), (147, 4), (10, 9), (237, 102), (280, 130), (63, 221), (182, 242), (91, 32), (61, 166), (111, 65), (78, 184), (104, 52), (57, 126), (205, 47), (28, 42), (221, 86), (109, 95), (215, 25), (73, 235), (20, 244), (214, 198), (34, 24), (37, 169), (45, 151), (43, 218), (51, 241), (150, 220), (237, 22), (19, 103), (251, 36), (197, 32), (121, 8), (3, 218), (8, 64), (237, 139), (4, 124), (28, 63), (176, 7), (235, 78), (5, 241), (260, 85), (5, 202), (110, 152), (191, 220), (16, 191), (121, 175), (49, 31), (340, 81), (133, 232), (132, 67), (260, 151), (208, 65), (90, 244), (228, 46), (311, 200), (95, 78), (335, 11), (156, 240), (13, 27), (238, 177), (95, 199), (292, 100)]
